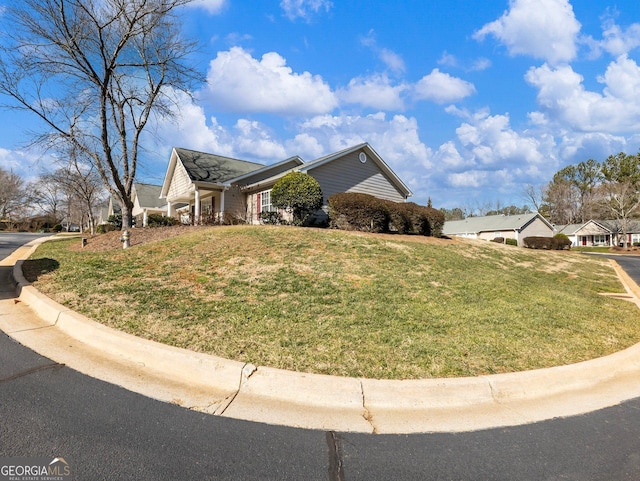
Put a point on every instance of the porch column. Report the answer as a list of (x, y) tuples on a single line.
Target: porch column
[(170, 212), (221, 214), (145, 218), (196, 214)]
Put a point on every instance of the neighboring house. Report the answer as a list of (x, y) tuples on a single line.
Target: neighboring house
[(107, 209), (217, 186), (146, 200), (591, 233), (601, 233), (507, 226)]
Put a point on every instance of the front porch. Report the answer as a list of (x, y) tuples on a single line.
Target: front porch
[(200, 206)]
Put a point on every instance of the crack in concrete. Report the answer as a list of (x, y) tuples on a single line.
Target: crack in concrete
[(336, 461), (493, 394), (54, 365), (367, 415), (247, 371)]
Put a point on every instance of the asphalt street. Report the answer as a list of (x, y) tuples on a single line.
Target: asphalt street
[(107, 433)]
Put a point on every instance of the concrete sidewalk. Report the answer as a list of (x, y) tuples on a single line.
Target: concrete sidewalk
[(229, 388)]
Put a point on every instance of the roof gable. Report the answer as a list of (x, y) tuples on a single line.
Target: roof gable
[(371, 154)]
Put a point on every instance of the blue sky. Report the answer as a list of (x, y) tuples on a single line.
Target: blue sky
[(469, 102)]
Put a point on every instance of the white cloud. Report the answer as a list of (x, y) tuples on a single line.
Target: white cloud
[(253, 139), (17, 161), (374, 92), (304, 9), (239, 83), (306, 146), (565, 101), (396, 140), (492, 141), (470, 178), (617, 41), (392, 60), (442, 88), (476, 65), (449, 157), (480, 64), (211, 6), (544, 29)]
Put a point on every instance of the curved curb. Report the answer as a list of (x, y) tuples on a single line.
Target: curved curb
[(230, 388)]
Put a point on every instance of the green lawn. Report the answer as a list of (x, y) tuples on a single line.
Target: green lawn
[(349, 304)]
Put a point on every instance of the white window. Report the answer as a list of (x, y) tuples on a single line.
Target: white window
[(635, 239), (600, 239), (265, 202)]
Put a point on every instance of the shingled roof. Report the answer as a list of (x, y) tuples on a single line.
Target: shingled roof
[(149, 195), (202, 167)]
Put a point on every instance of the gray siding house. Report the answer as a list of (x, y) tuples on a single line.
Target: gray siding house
[(222, 187), (508, 226)]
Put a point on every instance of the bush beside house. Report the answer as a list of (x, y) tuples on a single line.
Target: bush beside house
[(364, 212), (298, 194), (550, 243)]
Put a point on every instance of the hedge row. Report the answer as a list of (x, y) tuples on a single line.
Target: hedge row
[(549, 243), (364, 212)]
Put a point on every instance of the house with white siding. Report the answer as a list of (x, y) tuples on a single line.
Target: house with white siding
[(601, 233), (506, 226), (218, 187)]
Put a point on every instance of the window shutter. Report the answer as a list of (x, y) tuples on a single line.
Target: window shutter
[(258, 206)]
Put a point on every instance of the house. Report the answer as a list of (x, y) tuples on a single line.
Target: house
[(146, 200), (507, 226), (601, 233), (105, 210), (215, 187), (591, 233)]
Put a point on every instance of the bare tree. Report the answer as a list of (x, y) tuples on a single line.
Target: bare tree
[(48, 196), (621, 188), (12, 196), (94, 71), (534, 196)]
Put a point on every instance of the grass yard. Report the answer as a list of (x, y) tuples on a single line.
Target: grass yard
[(349, 304)]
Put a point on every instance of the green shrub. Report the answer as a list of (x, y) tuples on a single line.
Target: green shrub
[(104, 228), (57, 228), (511, 242), (159, 220), (399, 218), (116, 221), (273, 218), (364, 212), (299, 194), (549, 243), (436, 221), (361, 212)]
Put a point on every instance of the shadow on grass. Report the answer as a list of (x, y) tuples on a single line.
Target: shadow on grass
[(33, 269)]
